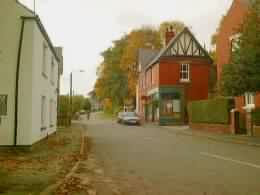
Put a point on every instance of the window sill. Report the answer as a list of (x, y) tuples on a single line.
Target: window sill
[(185, 81)]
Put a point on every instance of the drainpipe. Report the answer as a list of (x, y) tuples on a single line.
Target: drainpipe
[(17, 82)]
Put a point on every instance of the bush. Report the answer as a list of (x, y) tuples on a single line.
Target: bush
[(256, 117), (215, 111)]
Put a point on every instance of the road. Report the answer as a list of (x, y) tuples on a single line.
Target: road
[(152, 160)]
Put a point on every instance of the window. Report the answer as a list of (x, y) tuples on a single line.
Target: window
[(43, 113), (3, 105), (52, 71), (44, 60), (51, 113), (234, 39), (171, 105), (185, 72), (249, 100)]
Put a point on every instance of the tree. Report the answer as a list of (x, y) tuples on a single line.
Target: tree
[(112, 79), (145, 37), (242, 75), (87, 105), (77, 103)]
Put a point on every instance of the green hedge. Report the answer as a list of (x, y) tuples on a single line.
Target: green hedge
[(256, 117), (215, 111)]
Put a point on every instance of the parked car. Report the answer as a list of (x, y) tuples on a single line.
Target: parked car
[(129, 118), (120, 117)]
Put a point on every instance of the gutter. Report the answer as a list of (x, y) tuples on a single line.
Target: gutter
[(17, 82)]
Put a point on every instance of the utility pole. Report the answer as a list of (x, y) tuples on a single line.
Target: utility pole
[(34, 8), (71, 95)]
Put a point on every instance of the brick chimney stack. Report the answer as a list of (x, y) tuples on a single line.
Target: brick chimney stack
[(169, 35)]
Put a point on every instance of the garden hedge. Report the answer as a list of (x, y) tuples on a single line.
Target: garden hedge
[(213, 111), (256, 116)]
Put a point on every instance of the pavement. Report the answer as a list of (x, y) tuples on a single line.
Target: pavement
[(228, 138), (152, 160)]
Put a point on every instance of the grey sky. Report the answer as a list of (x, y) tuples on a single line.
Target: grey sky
[(86, 27)]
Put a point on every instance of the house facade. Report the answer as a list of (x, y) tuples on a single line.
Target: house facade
[(29, 78), (172, 77), (228, 33)]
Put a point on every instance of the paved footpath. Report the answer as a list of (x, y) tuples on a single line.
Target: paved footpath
[(151, 160)]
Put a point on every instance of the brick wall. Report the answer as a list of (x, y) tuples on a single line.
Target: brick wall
[(199, 77), (229, 27), (215, 128)]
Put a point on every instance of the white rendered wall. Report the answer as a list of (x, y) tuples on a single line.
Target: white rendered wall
[(10, 22)]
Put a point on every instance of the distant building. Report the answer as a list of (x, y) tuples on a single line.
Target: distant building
[(30, 67), (172, 77), (227, 36)]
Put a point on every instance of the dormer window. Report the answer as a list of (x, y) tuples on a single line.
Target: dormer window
[(185, 73)]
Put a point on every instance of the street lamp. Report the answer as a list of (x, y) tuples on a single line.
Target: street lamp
[(71, 88)]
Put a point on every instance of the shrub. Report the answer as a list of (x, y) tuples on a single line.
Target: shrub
[(215, 111), (256, 116)]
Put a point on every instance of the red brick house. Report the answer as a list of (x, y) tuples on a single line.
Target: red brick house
[(171, 77), (228, 32)]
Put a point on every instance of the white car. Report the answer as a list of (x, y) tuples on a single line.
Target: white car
[(130, 118), (120, 117)]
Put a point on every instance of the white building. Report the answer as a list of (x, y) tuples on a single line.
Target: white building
[(30, 67)]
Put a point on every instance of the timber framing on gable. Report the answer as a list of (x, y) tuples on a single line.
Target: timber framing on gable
[(183, 45)]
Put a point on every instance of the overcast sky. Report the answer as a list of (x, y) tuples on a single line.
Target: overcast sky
[(87, 27)]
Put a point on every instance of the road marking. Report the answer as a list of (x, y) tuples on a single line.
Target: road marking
[(230, 159)]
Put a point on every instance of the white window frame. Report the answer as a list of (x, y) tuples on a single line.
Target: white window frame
[(249, 101), (44, 60), (184, 71), (234, 41), (43, 113), (52, 70), (51, 112)]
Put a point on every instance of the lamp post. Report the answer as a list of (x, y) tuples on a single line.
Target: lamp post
[(71, 90)]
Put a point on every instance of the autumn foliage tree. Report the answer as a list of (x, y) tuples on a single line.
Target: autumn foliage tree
[(117, 74), (146, 37)]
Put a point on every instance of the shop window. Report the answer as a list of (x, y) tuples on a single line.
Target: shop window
[(171, 105)]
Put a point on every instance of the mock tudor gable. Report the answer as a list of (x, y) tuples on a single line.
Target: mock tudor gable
[(184, 44)]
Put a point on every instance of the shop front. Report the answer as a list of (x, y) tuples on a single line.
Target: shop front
[(171, 106)]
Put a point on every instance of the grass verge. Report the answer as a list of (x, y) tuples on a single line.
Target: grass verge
[(29, 172)]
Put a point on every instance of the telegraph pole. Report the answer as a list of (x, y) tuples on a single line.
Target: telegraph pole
[(34, 7), (71, 96)]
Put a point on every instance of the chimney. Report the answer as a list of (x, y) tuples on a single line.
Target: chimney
[(169, 35)]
